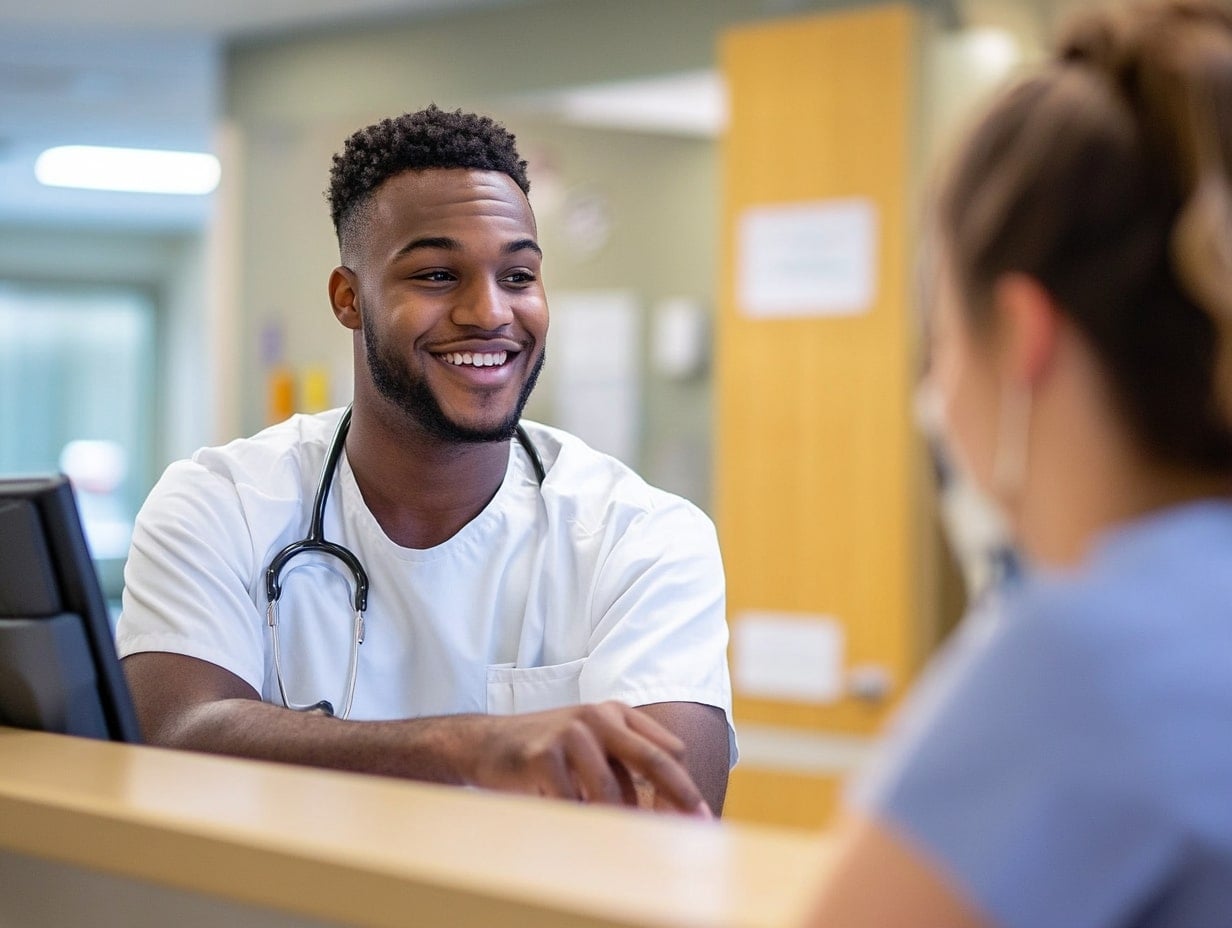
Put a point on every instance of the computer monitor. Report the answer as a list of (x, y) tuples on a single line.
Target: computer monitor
[(58, 666)]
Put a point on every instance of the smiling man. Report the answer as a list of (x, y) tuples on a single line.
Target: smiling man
[(424, 585)]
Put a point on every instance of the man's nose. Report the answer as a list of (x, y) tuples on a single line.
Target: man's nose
[(484, 305)]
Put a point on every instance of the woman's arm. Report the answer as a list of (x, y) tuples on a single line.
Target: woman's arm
[(879, 880)]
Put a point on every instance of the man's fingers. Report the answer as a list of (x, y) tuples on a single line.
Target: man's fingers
[(593, 752), (657, 765), (628, 789), (553, 777), (598, 780)]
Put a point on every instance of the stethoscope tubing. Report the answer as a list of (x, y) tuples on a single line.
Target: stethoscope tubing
[(316, 541)]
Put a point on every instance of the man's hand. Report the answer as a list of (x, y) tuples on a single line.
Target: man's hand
[(589, 753)]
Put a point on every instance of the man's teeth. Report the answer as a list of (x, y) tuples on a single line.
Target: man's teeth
[(492, 359)]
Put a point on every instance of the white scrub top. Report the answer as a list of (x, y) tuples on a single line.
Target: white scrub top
[(594, 586)]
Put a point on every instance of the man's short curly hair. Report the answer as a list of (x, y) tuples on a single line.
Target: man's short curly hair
[(431, 138)]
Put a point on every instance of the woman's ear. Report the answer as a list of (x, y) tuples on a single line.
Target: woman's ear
[(344, 297), (1030, 323)]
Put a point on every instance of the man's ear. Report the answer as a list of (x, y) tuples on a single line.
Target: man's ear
[(344, 297), (1030, 323)]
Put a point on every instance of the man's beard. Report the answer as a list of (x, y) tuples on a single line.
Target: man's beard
[(410, 393)]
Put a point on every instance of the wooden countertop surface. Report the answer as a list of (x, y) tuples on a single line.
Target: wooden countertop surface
[(381, 852)]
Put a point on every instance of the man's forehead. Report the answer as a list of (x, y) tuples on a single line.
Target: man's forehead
[(439, 202), (464, 191)]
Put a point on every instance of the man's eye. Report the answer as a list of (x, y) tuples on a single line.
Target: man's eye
[(519, 277), (434, 276)]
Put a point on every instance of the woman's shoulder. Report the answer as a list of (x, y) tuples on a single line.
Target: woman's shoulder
[(1128, 662), (1157, 591), (1076, 717)]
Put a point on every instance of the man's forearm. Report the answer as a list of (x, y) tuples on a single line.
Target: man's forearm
[(588, 752), (439, 749)]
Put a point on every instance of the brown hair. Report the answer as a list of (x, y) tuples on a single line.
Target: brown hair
[(1107, 178)]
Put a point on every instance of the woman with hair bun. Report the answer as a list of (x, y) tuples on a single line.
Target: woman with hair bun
[(1067, 762)]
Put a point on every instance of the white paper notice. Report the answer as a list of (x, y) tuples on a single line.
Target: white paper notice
[(679, 343), (788, 656), (808, 259), (596, 344)]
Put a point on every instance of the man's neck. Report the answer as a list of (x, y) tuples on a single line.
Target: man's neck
[(421, 489)]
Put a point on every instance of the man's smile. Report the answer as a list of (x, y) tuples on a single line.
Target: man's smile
[(478, 363), (477, 359)]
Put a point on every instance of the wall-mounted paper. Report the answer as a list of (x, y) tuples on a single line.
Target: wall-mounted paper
[(596, 339), (680, 342), (788, 656), (808, 259)]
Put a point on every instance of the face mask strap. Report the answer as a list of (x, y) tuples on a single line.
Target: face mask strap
[(1009, 462)]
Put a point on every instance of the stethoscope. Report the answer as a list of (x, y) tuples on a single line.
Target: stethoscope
[(315, 542)]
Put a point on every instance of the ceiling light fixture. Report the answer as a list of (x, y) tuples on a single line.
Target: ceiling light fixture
[(130, 170)]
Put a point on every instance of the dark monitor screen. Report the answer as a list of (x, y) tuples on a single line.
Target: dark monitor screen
[(58, 666)]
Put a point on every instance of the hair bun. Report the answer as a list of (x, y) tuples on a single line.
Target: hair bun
[(1095, 40), (1171, 63), (1130, 42)]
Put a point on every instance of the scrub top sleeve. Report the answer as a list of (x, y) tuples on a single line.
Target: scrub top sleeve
[(186, 580), (659, 608), (1019, 783)]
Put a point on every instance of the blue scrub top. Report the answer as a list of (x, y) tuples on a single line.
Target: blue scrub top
[(1067, 760)]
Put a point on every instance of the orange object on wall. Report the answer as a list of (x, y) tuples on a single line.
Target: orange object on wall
[(280, 394)]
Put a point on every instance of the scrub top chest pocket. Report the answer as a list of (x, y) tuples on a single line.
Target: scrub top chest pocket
[(533, 689)]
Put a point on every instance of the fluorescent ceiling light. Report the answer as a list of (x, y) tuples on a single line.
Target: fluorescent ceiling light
[(993, 53), (130, 170), (689, 104), (692, 103)]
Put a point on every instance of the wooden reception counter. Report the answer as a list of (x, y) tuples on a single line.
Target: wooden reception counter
[(291, 846)]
